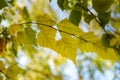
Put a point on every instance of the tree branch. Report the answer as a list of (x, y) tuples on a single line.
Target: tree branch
[(86, 9), (60, 31)]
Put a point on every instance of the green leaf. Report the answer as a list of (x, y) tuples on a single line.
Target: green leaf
[(0, 18), (104, 18), (3, 4), (15, 44), (109, 40), (25, 14), (66, 4), (60, 4), (67, 46), (102, 6), (46, 36), (88, 17), (69, 4), (75, 17), (50, 0), (83, 3)]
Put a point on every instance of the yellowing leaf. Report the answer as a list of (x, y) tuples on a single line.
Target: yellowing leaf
[(113, 42), (66, 26), (46, 37), (45, 20), (89, 36), (14, 28), (20, 37), (97, 47), (29, 40), (13, 71), (67, 46), (2, 67), (30, 36)]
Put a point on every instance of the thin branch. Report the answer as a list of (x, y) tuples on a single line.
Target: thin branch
[(86, 9), (113, 30), (53, 28), (60, 31)]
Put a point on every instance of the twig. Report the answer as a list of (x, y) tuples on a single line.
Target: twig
[(52, 28), (86, 9), (113, 30), (60, 31)]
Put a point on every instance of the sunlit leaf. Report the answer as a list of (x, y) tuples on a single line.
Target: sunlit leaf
[(20, 37), (66, 4), (14, 28), (66, 26), (13, 71), (46, 37), (2, 67), (45, 19), (69, 4), (97, 47), (67, 46)]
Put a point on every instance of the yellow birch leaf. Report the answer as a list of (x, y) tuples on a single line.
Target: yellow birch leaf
[(67, 46), (46, 37), (13, 71), (20, 37), (89, 36), (2, 67), (45, 19), (97, 47), (67, 26), (14, 28)]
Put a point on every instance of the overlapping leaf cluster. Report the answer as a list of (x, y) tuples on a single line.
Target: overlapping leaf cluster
[(41, 30), (72, 37)]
